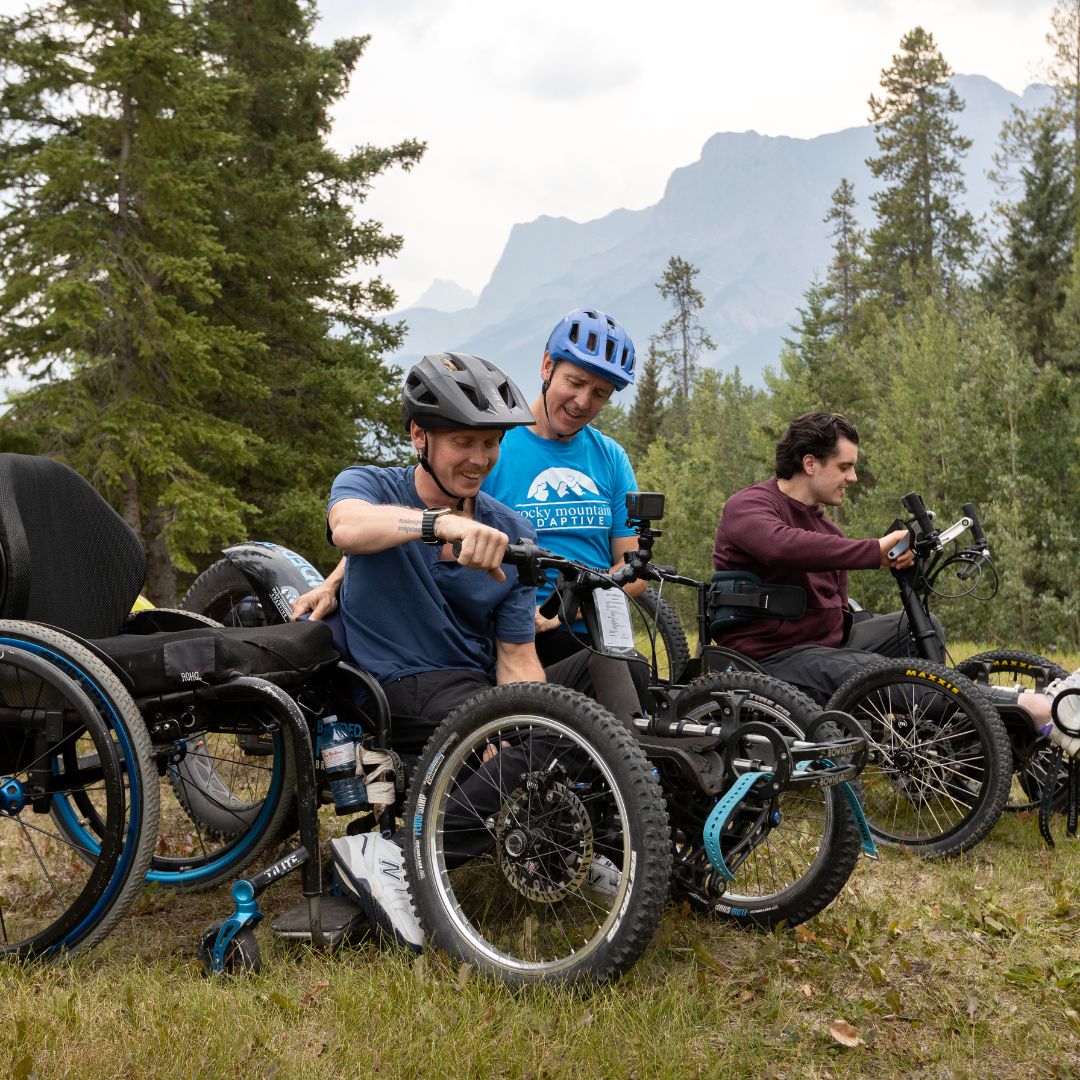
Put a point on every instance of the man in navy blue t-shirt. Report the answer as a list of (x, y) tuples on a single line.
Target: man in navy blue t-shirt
[(434, 628)]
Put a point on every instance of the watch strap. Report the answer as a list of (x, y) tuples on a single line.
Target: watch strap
[(427, 525)]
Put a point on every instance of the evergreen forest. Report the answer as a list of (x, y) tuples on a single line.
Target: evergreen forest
[(190, 286)]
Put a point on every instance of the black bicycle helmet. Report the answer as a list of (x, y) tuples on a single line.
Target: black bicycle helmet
[(456, 390)]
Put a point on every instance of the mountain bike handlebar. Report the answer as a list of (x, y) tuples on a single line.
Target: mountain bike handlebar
[(917, 582), (912, 502)]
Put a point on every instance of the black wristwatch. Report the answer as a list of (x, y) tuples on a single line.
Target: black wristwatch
[(427, 527)]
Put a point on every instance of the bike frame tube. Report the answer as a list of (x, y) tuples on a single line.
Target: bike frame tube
[(927, 643)]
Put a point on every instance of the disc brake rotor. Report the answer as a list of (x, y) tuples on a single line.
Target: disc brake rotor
[(544, 842)]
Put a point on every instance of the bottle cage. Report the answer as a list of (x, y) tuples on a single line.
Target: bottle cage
[(738, 596)]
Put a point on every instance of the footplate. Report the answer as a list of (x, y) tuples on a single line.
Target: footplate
[(342, 921), (802, 764)]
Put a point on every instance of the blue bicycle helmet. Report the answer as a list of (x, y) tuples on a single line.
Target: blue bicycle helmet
[(596, 342)]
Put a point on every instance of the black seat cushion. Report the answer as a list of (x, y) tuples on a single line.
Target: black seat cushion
[(69, 559), (160, 663)]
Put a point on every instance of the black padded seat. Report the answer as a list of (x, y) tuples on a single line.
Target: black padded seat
[(162, 663)]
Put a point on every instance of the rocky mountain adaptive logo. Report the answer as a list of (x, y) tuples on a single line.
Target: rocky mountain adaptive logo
[(562, 482)]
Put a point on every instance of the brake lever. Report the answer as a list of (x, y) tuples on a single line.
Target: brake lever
[(974, 560)]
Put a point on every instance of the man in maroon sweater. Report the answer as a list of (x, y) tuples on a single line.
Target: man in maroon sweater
[(778, 530)]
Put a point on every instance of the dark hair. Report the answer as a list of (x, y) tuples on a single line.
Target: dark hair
[(814, 433)]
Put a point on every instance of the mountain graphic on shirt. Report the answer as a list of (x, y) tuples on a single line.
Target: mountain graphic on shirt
[(561, 483)]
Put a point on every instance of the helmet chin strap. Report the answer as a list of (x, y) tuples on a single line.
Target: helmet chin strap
[(547, 416), (422, 455)]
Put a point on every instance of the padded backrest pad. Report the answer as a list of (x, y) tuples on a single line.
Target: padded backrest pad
[(737, 596), (72, 561)]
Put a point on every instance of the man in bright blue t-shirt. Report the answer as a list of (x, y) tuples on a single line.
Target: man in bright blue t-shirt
[(568, 480)]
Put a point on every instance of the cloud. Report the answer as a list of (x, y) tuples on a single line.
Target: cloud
[(554, 79)]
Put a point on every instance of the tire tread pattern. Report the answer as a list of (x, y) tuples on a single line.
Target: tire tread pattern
[(643, 798)]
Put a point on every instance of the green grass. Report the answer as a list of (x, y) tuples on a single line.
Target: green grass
[(965, 968)]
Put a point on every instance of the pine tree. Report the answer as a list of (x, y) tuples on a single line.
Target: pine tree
[(1030, 274), (111, 132), (318, 393), (682, 339), (844, 281), (919, 226), (647, 414), (183, 268), (1063, 71)]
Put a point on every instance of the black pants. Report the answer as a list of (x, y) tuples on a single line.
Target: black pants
[(621, 686), (818, 670), (420, 703)]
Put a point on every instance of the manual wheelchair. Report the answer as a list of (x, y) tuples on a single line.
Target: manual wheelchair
[(111, 724)]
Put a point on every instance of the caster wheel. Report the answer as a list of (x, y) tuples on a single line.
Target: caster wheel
[(241, 954)]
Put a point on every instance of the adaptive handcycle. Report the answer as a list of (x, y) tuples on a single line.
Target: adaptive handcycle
[(764, 827), (942, 751)]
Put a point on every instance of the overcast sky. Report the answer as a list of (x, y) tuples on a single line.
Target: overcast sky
[(577, 108)]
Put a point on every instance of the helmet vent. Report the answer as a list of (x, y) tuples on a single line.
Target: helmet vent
[(609, 350), (473, 396), (574, 330), (590, 344), (450, 363)]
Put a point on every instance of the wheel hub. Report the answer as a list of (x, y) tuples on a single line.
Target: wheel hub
[(903, 761), (12, 796), (544, 842)]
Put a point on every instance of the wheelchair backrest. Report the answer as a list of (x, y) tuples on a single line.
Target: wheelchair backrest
[(68, 559), (738, 596)]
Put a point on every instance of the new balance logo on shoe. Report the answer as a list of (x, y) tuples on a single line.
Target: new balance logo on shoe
[(371, 870)]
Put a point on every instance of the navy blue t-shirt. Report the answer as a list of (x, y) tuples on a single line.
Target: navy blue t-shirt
[(407, 611)]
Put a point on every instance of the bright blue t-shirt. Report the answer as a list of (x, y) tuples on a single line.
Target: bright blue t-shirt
[(573, 492), (407, 611)]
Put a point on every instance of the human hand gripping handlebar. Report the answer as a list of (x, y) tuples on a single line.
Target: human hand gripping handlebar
[(576, 580), (532, 560)]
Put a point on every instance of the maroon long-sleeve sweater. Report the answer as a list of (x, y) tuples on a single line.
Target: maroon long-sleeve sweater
[(786, 542)]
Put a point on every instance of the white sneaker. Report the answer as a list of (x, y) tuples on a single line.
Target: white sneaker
[(371, 869), (603, 878)]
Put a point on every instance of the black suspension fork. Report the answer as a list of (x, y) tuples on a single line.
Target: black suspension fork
[(927, 643)]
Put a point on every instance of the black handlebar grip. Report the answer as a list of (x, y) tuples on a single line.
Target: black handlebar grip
[(515, 554), (913, 503), (519, 554), (550, 607), (977, 533)]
